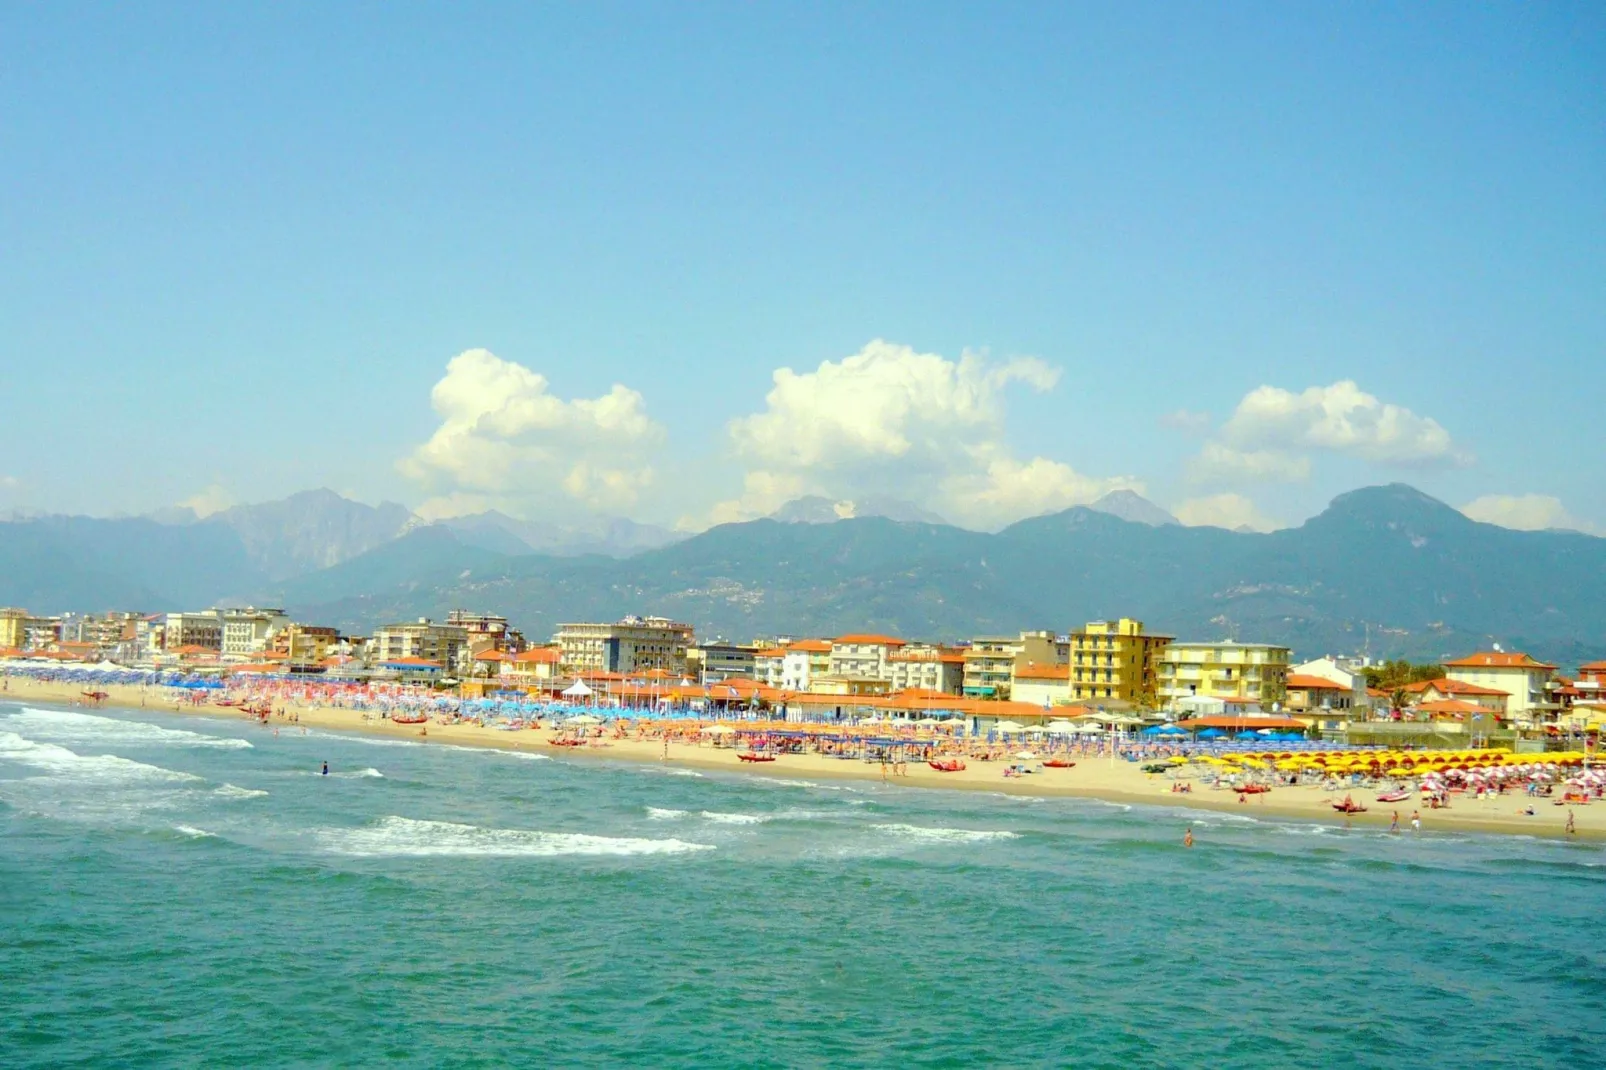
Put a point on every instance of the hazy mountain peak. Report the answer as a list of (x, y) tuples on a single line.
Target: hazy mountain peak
[(1129, 505)]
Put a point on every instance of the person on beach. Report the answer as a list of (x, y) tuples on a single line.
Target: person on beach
[(1416, 821), (1394, 822), (1572, 826)]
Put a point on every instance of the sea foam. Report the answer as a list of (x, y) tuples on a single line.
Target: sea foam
[(921, 834), (408, 837), (68, 726), (58, 762)]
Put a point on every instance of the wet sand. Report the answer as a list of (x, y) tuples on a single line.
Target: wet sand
[(1092, 778)]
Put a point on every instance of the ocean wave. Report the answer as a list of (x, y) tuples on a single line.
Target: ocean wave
[(195, 833), (67, 726), (922, 834), (719, 818), (230, 791), (659, 813), (361, 774), (58, 762), (408, 837)]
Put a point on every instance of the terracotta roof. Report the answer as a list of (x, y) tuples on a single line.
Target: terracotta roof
[(1593, 667), (490, 655), (1248, 723), (542, 655), (1497, 660), (1301, 682), (772, 652), (1450, 706), (1035, 671), (811, 646), (871, 640), (1446, 686), (420, 663)]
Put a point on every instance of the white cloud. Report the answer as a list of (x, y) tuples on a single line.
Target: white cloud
[(1231, 511), (1341, 418), (1527, 512), (1222, 464), (917, 426), (213, 499), (1186, 421), (1273, 433), (505, 441)]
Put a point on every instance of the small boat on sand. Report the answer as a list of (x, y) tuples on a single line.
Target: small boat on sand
[(1059, 763), (754, 756), (947, 765), (1349, 806), (409, 718), (1394, 796)]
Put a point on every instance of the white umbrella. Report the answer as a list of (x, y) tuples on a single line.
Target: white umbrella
[(1089, 730), (585, 718), (1060, 728), (578, 689), (1008, 728), (1026, 755), (718, 730)]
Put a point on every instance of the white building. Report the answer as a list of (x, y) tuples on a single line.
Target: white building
[(1518, 675), (247, 632)]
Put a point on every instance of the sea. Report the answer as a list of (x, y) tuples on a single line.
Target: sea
[(196, 892)]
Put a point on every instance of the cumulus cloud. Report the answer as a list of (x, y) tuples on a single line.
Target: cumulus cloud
[(1223, 464), (1527, 512), (1186, 421), (1273, 432), (1342, 418), (1231, 511), (506, 440), (213, 499), (891, 421)]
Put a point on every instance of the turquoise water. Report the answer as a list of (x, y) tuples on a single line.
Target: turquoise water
[(191, 892)]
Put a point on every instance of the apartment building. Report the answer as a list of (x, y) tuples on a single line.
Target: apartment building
[(1042, 685), (804, 662), (864, 656), (928, 668), (712, 662), (304, 644), (203, 630), (248, 631), (1521, 677), (1242, 673), (486, 631), (990, 660), (422, 640), (13, 628), (1117, 660), (634, 644)]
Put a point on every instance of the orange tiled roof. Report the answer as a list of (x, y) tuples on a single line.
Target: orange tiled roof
[(1301, 682), (772, 652), (1446, 686), (541, 655), (1034, 671), (811, 646), (1593, 667), (1450, 706), (1497, 659), (491, 654), (872, 640)]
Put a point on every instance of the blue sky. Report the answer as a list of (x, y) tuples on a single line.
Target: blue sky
[(242, 245)]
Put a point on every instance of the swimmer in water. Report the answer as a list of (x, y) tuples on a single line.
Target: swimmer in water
[(1187, 838), (325, 768)]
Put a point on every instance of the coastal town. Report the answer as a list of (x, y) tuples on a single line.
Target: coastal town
[(1108, 674)]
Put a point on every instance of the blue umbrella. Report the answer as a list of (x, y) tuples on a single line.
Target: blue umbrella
[(1211, 733), (1248, 735)]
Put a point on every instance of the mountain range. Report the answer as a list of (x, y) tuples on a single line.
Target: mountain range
[(1385, 570)]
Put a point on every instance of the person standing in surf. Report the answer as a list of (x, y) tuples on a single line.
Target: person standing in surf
[(325, 768)]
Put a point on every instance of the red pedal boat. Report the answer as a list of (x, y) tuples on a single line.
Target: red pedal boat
[(950, 765), (1059, 763), (750, 757)]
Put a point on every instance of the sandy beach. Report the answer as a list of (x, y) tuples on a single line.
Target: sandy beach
[(1097, 778)]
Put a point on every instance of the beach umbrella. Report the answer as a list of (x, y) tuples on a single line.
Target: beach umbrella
[(1026, 755), (585, 718)]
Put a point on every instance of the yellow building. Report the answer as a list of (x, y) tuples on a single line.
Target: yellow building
[(1238, 674), (990, 660), (13, 628), (1116, 660)]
